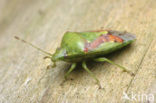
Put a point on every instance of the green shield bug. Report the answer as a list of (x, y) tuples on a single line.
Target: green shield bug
[(82, 46)]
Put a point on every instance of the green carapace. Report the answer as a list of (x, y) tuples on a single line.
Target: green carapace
[(91, 45)]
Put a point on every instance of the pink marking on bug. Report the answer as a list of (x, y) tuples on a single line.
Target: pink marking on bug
[(101, 39), (86, 50), (86, 47)]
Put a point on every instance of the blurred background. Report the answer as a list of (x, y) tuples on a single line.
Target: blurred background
[(23, 74)]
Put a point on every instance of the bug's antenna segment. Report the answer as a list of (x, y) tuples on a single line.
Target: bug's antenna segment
[(22, 40)]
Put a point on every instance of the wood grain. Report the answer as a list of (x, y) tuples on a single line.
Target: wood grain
[(23, 74)]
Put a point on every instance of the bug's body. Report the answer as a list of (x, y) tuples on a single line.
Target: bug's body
[(81, 46), (78, 46)]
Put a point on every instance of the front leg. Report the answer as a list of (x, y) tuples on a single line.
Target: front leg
[(50, 66), (103, 59), (70, 70)]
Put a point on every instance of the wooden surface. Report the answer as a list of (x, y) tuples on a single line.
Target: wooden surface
[(23, 74)]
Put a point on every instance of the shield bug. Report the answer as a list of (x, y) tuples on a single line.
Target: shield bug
[(92, 45)]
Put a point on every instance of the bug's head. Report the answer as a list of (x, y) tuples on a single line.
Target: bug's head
[(59, 54), (125, 36)]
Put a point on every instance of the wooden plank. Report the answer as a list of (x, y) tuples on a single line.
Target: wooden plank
[(24, 77), (142, 86)]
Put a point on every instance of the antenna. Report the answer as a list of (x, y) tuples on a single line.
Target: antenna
[(22, 40)]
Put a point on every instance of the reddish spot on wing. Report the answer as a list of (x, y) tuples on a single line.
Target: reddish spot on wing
[(98, 41), (115, 38), (101, 39), (86, 50)]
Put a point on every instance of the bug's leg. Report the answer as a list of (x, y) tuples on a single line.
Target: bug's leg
[(103, 59), (70, 70), (50, 66), (91, 73), (54, 64), (47, 57)]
